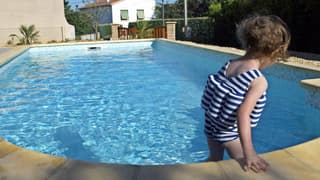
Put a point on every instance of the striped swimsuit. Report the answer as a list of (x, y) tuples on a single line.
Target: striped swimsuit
[(221, 99)]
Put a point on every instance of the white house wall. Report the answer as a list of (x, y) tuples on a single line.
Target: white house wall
[(132, 6), (47, 16)]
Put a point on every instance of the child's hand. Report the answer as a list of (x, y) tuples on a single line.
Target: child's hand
[(255, 163)]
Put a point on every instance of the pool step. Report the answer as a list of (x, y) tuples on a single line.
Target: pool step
[(312, 82)]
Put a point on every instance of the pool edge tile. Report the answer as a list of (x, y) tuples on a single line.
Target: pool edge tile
[(82, 170), (199, 171), (6, 148), (26, 164), (311, 82), (11, 54), (284, 164), (307, 153)]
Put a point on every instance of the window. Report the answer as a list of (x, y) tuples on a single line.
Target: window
[(124, 14), (140, 14)]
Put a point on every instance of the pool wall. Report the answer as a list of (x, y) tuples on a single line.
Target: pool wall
[(297, 162)]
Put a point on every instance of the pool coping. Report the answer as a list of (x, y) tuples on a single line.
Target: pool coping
[(296, 162)]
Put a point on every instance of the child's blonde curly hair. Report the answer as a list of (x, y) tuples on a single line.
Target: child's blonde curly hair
[(267, 35)]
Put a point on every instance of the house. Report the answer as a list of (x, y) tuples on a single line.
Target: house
[(47, 16), (121, 11), (99, 10)]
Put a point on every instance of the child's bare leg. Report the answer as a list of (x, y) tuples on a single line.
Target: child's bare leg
[(216, 150), (234, 149)]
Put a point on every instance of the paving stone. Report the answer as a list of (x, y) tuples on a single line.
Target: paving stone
[(6, 148), (307, 153), (25, 164), (81, 170), (201, 171)]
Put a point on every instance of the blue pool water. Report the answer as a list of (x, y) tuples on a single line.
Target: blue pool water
[(136, 103)]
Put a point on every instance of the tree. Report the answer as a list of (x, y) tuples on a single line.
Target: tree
[(142, 28), (214, 8), (97, 10), (29, 34), (173, 11), (196, 8), (302, 17), (81, 21), (67, 9)]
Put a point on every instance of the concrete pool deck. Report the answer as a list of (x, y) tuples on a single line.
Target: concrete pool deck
[(297, 162)]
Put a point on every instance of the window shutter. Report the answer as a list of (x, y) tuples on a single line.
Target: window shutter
[(124, 14), (140, 14)]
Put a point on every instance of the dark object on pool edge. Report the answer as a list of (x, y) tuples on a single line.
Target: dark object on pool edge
[(94, 48)]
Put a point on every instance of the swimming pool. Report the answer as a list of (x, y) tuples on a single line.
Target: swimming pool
[(135, 103)]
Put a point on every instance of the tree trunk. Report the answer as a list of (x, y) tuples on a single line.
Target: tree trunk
[(96, 30)]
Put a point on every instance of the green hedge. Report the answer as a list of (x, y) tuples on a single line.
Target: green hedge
[(202, 30), (152, 23), (105, 31)]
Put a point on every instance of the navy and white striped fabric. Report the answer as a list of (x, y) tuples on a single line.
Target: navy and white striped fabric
[(221, 99)]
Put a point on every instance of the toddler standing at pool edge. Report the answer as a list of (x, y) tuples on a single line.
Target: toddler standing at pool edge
[(235, 96)]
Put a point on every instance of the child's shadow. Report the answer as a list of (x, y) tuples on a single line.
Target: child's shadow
[(72, 142)]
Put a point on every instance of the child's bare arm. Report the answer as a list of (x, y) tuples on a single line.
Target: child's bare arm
[(252, 161)]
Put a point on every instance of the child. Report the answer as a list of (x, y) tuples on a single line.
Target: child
[(235, 96)]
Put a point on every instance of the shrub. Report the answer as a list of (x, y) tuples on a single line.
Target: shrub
[(10, 42), (52, 41), (29, 34), (202, 30), (105, 31)]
